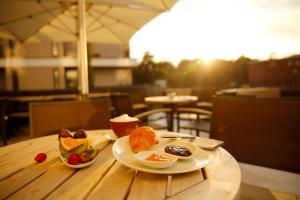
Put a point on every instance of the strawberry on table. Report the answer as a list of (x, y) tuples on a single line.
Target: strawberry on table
[(40, 157)]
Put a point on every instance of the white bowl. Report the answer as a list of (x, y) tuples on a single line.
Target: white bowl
[(193, 149), (65, 162), (141, 158)]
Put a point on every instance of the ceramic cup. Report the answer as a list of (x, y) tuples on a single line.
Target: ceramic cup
[(123, 125)]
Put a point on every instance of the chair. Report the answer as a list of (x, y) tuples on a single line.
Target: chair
[(50, 117), (204, 95), (259, 131), (205, 98), (197, 119), (123, 104), (3, 120), (149, 118)]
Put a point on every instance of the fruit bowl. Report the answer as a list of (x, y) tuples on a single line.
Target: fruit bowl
[(76, 150)]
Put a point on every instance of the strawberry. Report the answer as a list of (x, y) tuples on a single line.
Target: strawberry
[(74, 159), (40, 157)]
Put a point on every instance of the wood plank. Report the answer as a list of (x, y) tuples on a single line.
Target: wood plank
[(209, 190), (45, 184), (16, 165), (82, 182), (13, 162), (31, 150), (24, 145), (12, 148), (148, 187), (94, 133), (184, 181), (17, 181), (115, 185)]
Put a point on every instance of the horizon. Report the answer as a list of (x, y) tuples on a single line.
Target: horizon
[(210, 30)]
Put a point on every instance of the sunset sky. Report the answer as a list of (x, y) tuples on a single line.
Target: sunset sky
[(227, 29)]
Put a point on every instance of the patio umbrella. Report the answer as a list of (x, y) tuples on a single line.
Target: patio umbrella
[(102, 21)]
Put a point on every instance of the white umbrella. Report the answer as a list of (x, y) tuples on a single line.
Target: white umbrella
[(103, 21)]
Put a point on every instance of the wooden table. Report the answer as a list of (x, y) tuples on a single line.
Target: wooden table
[(172, 102), (41, 98), (22, 178)]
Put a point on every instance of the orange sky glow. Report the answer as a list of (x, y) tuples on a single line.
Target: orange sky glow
[(225, 29)]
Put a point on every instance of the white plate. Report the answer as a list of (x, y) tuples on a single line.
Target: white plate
[(123, 153), (83, 165), (185, 144), (141, 158)]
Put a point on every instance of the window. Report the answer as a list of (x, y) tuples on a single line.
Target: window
[(71, 78)]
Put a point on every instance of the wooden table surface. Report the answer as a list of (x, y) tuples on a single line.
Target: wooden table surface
[(41, 98), (176, 100), (22, 178)]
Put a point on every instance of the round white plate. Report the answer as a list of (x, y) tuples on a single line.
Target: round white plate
[(123, 153)]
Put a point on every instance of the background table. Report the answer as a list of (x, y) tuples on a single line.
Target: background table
[(172, 102), (22, 178)]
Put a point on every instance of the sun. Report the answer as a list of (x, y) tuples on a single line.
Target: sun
[(213, 29)]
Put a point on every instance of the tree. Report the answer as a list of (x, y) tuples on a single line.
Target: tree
[(241, 66), (148, 71)]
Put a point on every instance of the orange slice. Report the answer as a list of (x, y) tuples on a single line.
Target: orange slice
[(71, 143)]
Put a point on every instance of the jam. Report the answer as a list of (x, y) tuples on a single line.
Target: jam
[(178, 150), (157, 157)]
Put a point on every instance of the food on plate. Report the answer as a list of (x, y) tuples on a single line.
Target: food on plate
[(40, 157), (77, 150), (72, 143), (157, 157), (74, 159), (142, 138), (178, 150), (80, 134), (64, 133), (181, 149)]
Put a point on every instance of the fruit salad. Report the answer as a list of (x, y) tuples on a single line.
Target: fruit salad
[(77, 148)]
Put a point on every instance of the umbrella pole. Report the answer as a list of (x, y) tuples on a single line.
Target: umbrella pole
[(82, 51)]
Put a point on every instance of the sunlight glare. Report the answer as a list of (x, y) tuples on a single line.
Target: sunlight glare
[(211, 29)]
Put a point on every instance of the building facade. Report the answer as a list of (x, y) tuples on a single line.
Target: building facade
[(47, 66), (283, 73)]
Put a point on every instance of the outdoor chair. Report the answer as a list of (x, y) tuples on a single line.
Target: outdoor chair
[(123, 104), (259, 131), (205, 98), (193, 119), (50, 117), (149, 118), (3, 120), (204, 95), (10, 114)]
